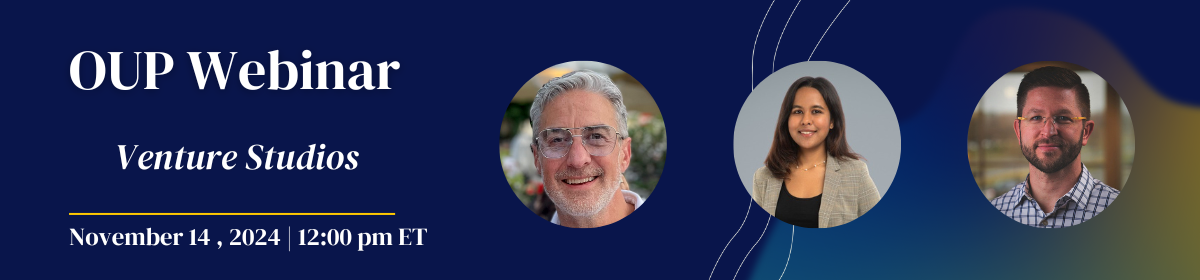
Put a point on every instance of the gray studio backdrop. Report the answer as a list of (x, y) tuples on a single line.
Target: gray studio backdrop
[(871, 125)]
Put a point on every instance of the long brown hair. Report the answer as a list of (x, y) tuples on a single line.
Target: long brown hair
[(785, 152)]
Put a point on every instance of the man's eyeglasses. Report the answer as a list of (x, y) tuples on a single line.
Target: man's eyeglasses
[(598, 140), (1056, 120)]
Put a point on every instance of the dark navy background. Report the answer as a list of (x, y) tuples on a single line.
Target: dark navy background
[(428, 146)]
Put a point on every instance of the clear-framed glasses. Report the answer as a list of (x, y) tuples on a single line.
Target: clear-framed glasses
[(599, 140), (1060, 121)]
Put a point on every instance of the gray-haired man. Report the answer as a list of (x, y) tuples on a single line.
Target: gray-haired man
[(581, 147)]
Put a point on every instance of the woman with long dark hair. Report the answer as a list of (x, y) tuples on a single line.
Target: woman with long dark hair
[(812, 178)]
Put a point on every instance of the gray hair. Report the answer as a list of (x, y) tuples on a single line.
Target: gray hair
[(584, 80)]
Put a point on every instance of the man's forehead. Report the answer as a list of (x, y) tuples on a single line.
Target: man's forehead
[(578, 108), (1051, 99)]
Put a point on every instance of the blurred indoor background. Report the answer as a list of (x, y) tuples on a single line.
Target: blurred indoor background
[(649, 137), (994, 152)]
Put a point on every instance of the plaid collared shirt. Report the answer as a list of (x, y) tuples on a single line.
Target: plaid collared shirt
[(1085, 200)]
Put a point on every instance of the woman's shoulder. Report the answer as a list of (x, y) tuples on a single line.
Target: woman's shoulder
[(762, 174), (852, 165)]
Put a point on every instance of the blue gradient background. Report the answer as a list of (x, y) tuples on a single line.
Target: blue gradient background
[(461, 62)]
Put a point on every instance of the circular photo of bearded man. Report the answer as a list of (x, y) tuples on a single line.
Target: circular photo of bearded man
[(1050, 144), (582, 144)]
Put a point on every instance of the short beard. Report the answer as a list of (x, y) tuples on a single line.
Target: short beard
[(586, 204), (1070, 151)]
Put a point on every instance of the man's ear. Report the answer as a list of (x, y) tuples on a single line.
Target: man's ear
[(626, 153), (537, 158), (1017, 129), (1087, 131)]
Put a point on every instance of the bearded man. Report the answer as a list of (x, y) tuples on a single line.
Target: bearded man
[(1053, 124), (581, 145)]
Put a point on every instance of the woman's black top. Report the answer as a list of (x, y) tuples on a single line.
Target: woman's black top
[(801, 212)]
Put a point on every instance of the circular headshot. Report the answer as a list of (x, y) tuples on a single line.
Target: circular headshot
[(817, 144), (1050, 144), (582, 144)]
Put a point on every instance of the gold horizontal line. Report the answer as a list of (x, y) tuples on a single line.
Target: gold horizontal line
[(231, 214)]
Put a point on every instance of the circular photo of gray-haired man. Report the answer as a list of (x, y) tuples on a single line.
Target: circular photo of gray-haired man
[(582, 144)]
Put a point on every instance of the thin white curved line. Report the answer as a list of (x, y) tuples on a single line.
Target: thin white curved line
[(752, 51), (785, 24), (769, 217), (789, 259), (710, 274), (760, 25), (827, 30)]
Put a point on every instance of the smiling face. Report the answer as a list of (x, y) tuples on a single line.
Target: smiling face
[(580, 184), (1051, 147), (809, 121)]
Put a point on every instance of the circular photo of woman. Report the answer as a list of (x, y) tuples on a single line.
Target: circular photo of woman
[(829, 152)]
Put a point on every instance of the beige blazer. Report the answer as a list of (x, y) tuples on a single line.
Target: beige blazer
[(848, 193)]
